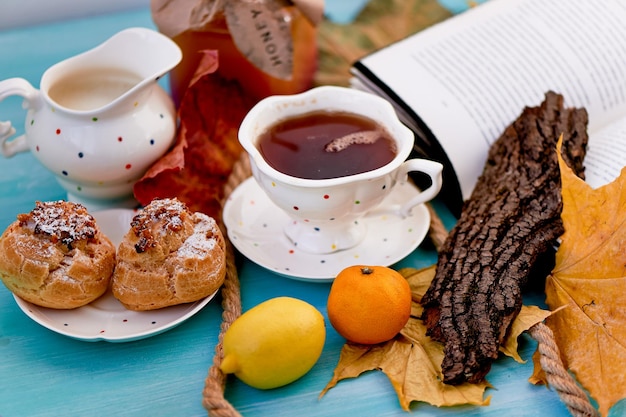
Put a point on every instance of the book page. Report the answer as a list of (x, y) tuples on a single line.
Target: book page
[(470, 76), (606, 154)]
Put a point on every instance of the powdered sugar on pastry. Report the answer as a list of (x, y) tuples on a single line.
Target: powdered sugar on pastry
[(60, 221), (157, 219), (200, 242), (169, 256), (56, 256)]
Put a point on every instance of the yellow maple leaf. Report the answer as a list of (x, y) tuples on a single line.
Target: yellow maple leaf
[(412, 360), (589, 279)]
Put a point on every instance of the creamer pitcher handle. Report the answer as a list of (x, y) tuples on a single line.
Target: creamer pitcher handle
[(15, 87), (432, 169)]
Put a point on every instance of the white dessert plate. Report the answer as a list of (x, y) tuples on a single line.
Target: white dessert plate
[(106, 319), (255, 228)]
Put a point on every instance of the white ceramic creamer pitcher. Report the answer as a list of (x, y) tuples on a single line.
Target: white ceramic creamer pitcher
[(99, 119)]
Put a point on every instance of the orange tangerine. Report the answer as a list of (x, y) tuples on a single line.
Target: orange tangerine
[(369, 304)]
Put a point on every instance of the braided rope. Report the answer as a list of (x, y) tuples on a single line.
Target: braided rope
[(563, 382), (213, 398), (437, 232), (214, 386), (216, 404)]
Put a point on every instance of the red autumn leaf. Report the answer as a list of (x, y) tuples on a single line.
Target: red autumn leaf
[(206, 149)]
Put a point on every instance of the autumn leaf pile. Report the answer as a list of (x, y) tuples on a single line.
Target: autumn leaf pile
[(412, 361), (586, 292)]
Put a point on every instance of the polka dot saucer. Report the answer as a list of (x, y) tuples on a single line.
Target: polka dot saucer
[(106, 319), (255, 227)]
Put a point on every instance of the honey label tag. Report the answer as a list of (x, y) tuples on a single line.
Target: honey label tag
[(173, 17), (262, 32)]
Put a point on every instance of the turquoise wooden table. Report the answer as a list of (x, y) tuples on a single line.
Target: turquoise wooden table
[(43, 373)]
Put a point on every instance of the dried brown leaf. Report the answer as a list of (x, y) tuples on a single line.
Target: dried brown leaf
[(538, 376), (527, 318), (379, 24)]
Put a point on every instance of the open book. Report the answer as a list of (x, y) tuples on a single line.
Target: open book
[(460, 83)]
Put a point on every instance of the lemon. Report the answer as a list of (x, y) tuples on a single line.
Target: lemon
[(274, 343)]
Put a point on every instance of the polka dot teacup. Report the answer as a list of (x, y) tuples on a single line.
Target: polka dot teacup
[(325, 213)]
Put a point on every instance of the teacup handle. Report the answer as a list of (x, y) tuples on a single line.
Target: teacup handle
[(432, 169), (15, 87)]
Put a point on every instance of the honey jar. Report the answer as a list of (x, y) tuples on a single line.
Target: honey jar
[(297, 55)]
